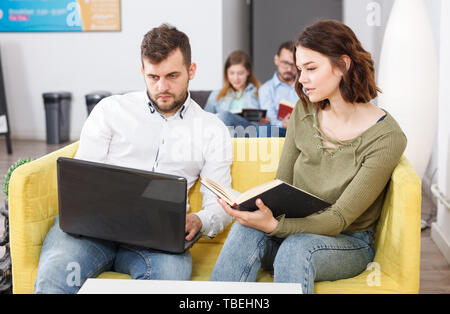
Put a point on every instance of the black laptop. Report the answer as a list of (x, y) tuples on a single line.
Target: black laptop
[(124, 205)]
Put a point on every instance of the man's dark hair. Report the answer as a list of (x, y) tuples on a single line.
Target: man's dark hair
[(289, 45), (161, 41)]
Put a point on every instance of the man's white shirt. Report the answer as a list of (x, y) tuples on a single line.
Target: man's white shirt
[(126, 130)]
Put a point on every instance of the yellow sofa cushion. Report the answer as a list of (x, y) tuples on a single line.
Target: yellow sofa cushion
[(33, 203)]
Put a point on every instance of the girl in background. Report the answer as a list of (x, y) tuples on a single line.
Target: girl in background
[(239, 91)]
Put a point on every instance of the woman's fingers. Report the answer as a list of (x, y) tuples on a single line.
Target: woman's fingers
[(230, 211)]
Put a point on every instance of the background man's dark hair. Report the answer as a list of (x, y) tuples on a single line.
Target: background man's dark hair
[(289, 45), (161, 41)]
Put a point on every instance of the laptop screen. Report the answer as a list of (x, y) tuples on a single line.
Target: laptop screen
[(122, 204)]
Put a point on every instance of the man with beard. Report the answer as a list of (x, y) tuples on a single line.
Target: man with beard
[(280, 86), (163, 130)]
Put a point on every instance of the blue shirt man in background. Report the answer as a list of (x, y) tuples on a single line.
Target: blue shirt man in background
[(280, 86)]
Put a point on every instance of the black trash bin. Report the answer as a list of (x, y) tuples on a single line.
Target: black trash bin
[(93, 98), (57, 116)]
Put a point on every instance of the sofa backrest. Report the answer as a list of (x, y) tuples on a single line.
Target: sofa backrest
[(200, 96)]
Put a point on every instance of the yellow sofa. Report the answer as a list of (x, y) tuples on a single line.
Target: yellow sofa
[(33, 205)]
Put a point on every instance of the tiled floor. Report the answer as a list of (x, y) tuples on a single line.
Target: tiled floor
[(435, 271)]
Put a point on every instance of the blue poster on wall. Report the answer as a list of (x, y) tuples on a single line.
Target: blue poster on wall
[(59, 15)]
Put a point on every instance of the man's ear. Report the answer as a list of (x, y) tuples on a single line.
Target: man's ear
[(192, 70), (276, 60)]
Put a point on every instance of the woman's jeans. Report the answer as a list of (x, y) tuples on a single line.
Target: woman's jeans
[(66, 262), (299, 258)]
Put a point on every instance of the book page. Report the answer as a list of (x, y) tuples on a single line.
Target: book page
[(219, 190), (287, 103)]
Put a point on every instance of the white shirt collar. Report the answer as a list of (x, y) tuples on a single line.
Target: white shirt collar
[(180, 113)]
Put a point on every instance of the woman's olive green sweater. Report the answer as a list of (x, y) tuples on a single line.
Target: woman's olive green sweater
[(352, 178)]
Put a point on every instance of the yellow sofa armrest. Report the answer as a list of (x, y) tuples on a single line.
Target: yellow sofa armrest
[(396, 267), (398, 233), (33, 204)]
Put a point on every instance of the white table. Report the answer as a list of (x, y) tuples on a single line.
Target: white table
[(129, 286)]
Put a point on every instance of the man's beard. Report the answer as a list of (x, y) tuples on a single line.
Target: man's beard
[(178, 101), (288, 76)]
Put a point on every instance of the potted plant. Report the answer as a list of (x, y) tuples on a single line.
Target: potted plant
[(8, 174), (5, 260)]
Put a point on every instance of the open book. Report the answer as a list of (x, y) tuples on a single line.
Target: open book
[(284, 109), (280, 197)]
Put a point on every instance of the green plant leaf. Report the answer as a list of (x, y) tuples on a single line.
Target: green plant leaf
[(13, 167)]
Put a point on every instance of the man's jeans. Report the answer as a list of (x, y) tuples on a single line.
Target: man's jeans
[(299, 258), (67, 261), (240, 127)]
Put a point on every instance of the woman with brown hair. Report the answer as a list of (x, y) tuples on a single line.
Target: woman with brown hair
[(340, 147), (239, 91)]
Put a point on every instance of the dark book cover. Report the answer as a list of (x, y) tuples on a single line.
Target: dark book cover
[(288, 200), (253, 114)]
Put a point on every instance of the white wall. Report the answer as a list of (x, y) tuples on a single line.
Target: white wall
[(34, 63), (440, 231), (368, 19), (355, 15)]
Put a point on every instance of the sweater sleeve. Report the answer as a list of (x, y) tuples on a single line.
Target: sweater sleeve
[(290, 151), (362, 191)]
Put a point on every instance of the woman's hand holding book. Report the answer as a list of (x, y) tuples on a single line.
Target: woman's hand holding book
[(261, 219)]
